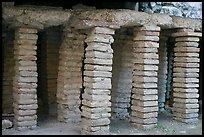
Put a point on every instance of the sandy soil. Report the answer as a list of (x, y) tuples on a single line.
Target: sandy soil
[(166, 126)]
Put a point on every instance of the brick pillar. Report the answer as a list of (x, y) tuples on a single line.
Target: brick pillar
[(162, 71), (96, 105), (69, 80), (186, 75), (25, 79), (145, 72)]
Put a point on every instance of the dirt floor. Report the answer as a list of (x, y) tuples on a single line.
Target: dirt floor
[(166, 126)]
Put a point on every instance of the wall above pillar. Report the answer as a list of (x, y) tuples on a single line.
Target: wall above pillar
[(41, 17)]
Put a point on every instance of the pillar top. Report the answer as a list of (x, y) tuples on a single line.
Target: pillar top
[(192, 34)]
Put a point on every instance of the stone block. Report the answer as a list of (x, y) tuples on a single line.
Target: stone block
[(186, 90), (186, 105), (144, 91), (189, 34), (26, 123), (185, 95), (186, 80), (25, 112), (102, 30), (6, 124), (26, 36), (145, 85), (146, 44), (22, 52), (96, 110), (145, 38), (26, 30), (185, 110), (96, 103), (95, 115), (186, 44), (97, 91), (144, 79), (98, 74), (184, 85), (144, 73), (185, 100), (97, 67), (26, 118), (186, 75), (98, 54), (27, 79), (146, 61), (25, 85), (146, 55), (26, 107), (27, 57), (144, 98), (137, 102), (28, 73), (144, 50), (144, 109), (187, 54), (93, 46), (96, 97), (190, 39), (144, 115), (95, 122), (99, 38), (187, 49), (186, 65), (186, 59), (98, 61)]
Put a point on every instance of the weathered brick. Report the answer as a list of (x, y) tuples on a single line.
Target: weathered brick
[(187, 39)]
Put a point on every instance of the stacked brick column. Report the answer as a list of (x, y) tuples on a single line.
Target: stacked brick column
[(25, 79), (145, 72), (96, 105), (69, 81), (122, 73), (162, 71), (186, 75)]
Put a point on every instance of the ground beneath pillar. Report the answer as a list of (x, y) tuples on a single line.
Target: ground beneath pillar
[(166, 126)]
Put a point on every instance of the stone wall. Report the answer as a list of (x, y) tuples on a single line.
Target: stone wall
[(122, 73), (182, 9), (53, 42), (69, 80), (48, 59), (7, 70)]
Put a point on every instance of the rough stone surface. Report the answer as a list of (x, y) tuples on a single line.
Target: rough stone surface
[(69, 80), (122, 74), (6, 124)]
